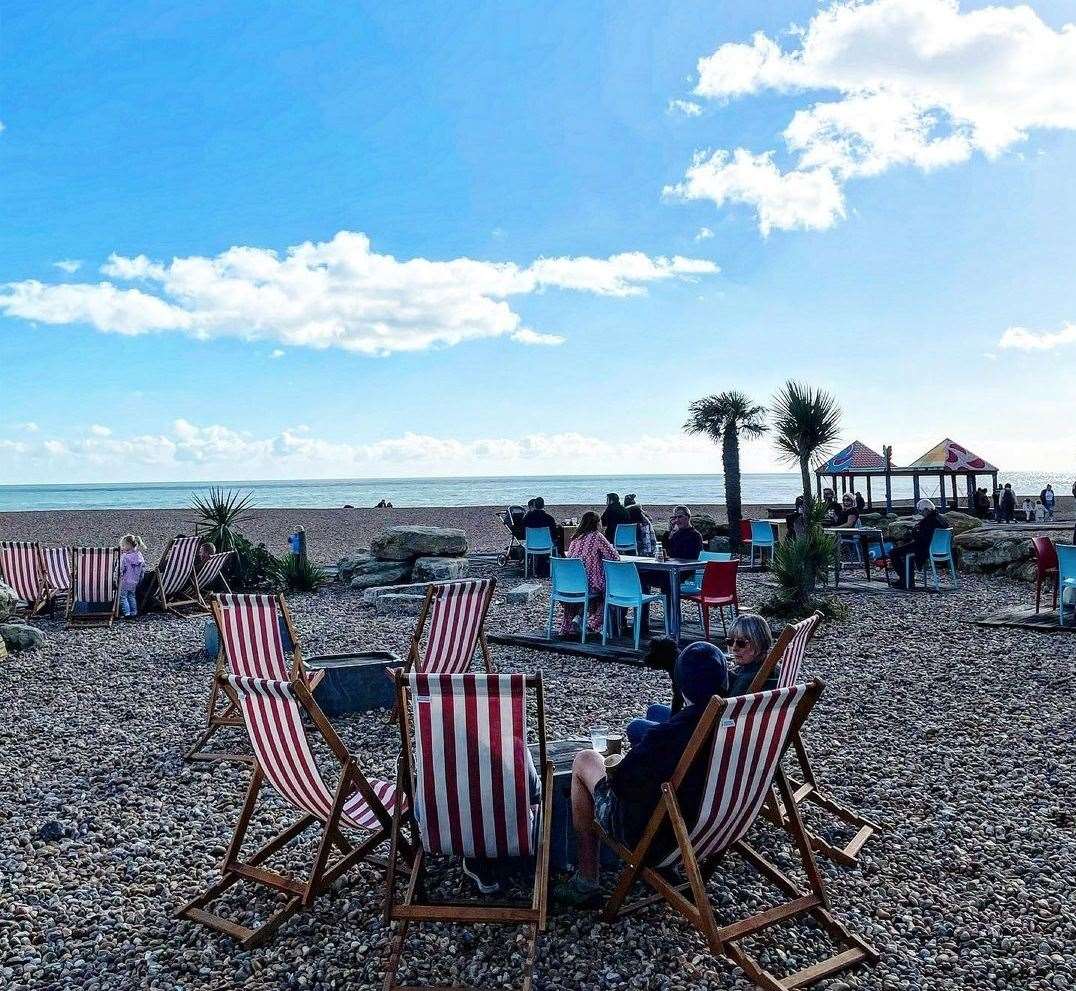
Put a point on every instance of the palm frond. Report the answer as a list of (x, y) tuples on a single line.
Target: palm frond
[(713, 415), (806, 422), (219, 512)]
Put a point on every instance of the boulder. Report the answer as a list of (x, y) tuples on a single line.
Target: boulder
[(523, 594), (394, 603), (371, 595), (405, 543), (8, 600), (19, 636), (962, 522), (371, 572), (982, 551), (439, 569)]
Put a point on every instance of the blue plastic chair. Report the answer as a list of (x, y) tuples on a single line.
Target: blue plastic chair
[(626, 538), (694, 587), (537, 542), (1066, 579), (624, 590), (762, 539), (568, 584), (941, 552)]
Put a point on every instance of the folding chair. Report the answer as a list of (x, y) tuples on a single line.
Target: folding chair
[(464, 773), (456, 627), (742, 739), (788, 652), (272, 711), (205, 576), (94, 598), (58, 570), (175, 574), (22, 566)]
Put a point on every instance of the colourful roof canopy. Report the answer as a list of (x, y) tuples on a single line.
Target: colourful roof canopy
[(951, 456), (856, 457)]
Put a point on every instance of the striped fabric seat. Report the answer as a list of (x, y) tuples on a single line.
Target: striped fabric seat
[(251, 638), (792, 660), (23, 568), (95, 585), (472, 795), (458, 613), (744, 757), (58, 569), (211, 569), (176, 569), (272, 714)]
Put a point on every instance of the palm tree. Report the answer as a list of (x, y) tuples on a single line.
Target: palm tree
[(806, 424), (724, 417)]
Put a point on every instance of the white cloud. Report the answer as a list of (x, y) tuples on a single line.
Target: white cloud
[(30, 427), (337, 293), (276, 353), (98, 431), (1022, 339), (919, 83), (68, 265), (526, 336), (704, 234), (689, 108)]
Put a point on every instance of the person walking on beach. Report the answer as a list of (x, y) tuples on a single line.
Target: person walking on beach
[(1007, 504), (1048, 500), (132, 568)]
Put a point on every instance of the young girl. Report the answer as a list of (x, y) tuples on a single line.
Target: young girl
[(132, 568)]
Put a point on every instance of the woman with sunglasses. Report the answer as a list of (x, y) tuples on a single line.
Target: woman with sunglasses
[(749, 642)]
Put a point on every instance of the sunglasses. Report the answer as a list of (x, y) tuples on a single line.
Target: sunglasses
[(739, 642)]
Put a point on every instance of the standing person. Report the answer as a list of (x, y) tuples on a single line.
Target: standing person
[(685, 542), (1007, 504), (997, 503), (1029, 509), (1049, 499), (132, 569), (614, 514), (861, 503), (591, 547)]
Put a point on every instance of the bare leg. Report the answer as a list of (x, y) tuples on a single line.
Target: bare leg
[(587, 770)]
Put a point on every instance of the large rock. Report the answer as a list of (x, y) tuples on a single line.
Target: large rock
[(962, 522), (8, 600), (439, 569), (984, 551), (19, 636), (405, 543), (900, 529), (366, 573), (407, 605)]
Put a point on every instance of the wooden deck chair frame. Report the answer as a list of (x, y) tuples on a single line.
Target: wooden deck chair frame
[(690, 898), (415, 908), (100, 617), (301, 892), (809, 789), (200, 588), (185, 594), (222, 708), (415, 656), (30, 549)]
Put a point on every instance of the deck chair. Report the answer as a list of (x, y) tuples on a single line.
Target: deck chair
[(457, 612), (742, 739), (22, 566), (58, 570), (463, 770), (788, 652), (272, 711), (203, 577), (253, 652), (94, 596), (175, 574)]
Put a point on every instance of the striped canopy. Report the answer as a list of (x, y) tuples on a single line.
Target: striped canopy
[(857, 458), (951, 456)]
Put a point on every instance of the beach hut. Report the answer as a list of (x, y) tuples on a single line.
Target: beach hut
[(854, 460), (950, 459)]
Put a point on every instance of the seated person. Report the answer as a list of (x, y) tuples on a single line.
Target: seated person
[(919, 546), (749, 641), (623, 800), (685, 542), (644, 530), (614, 514), (591, 547), (537, 518)]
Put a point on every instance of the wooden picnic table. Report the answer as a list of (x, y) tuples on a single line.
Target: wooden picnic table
[(867, 535), (669, 572)]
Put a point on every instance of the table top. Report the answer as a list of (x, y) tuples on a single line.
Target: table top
[(669, 564), (859, 531)]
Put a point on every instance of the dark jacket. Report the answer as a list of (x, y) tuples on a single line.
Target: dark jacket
[(923, 534), (614, 514), (685, 544), (1008, 499), (740, 678), (538, 518)]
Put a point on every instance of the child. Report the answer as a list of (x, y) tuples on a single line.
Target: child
[(1041, 515), (132, 568)]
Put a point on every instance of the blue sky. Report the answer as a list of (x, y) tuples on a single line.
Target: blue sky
[(891, 224)]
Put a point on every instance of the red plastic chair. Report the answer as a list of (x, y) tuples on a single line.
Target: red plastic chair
[(1046, 567), (718, 589), (745, 535)]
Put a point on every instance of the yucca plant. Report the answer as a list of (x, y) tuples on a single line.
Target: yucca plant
[(806, 424), (300, 575), (799, 566), (219, 514)]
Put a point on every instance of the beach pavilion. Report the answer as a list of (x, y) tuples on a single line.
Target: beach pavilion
[(946, 459)]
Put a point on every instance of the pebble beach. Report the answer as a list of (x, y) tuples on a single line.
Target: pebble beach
[(959, 740)]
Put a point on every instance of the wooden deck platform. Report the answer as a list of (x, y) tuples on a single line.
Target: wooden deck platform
[(1025, 618)]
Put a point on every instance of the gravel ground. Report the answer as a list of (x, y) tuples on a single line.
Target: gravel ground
[(958, 739)]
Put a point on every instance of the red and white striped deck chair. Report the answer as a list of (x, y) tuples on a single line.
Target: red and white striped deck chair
[(175, 574), (209, 573), (742, 741), (58, 570), (787, 656), (457, 612), (94, 598), (252, 630), (465, 769), (272, 711), (22, 567)]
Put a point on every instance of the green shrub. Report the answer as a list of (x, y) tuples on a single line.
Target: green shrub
[(219, 514), (299, 575), (256, 569), (799, 566)]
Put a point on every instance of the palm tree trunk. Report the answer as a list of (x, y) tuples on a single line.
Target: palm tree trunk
[(730, 462), (805, 477)]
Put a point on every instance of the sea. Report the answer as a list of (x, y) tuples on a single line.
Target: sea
[(757, 489)]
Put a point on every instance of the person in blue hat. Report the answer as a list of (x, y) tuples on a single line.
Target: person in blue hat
[(622, 799)]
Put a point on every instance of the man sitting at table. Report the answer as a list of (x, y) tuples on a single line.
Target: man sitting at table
[(614, 514), (538, 518), (685, 542)]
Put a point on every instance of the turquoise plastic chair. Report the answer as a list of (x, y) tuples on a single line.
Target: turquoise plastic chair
[(1066, 579), (694, 587), (762, 539), (626, 538), (537, 542), (568, 583), (941, 552), (624, 590)]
